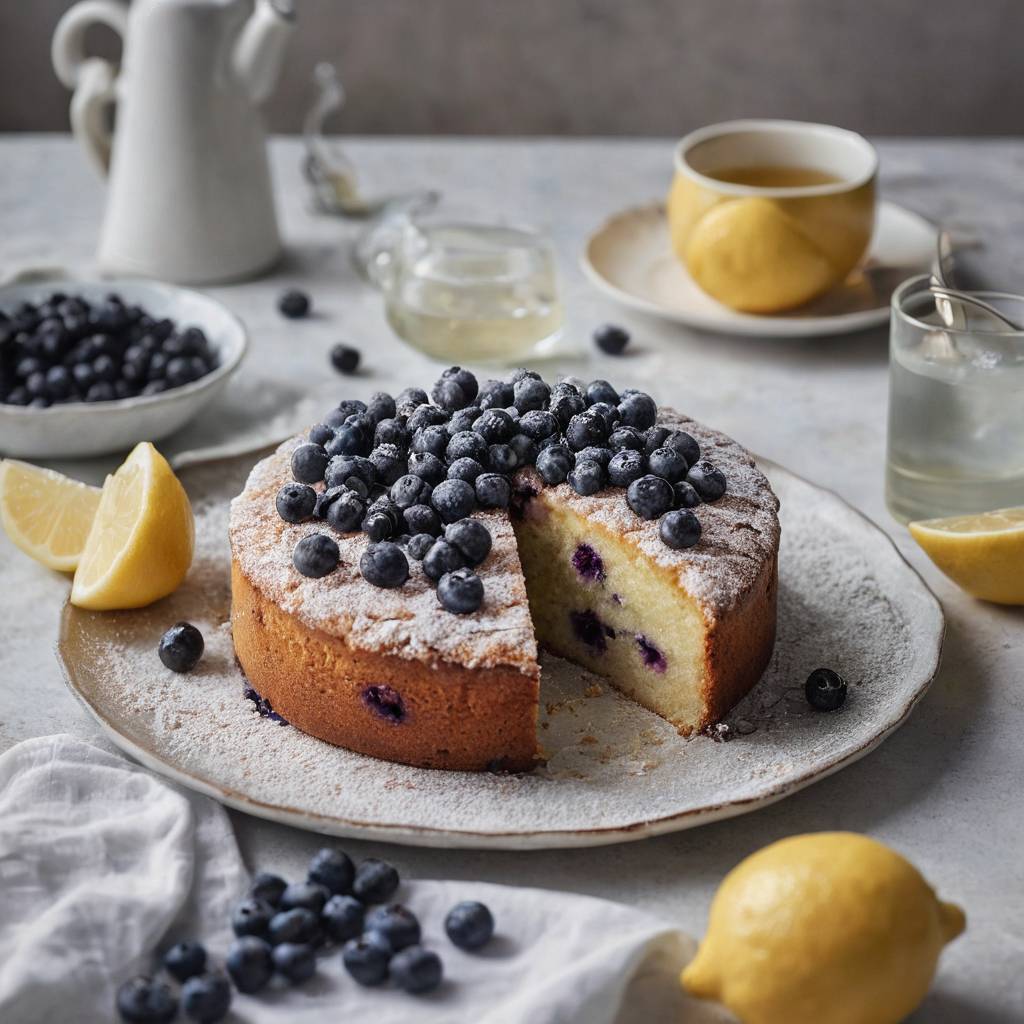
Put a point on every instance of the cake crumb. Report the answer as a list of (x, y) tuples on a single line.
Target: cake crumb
[(594, 690), (588, 738)]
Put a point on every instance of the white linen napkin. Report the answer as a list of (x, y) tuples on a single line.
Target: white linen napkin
[(102, 865)]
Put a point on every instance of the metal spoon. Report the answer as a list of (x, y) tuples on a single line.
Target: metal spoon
[(949, 300)]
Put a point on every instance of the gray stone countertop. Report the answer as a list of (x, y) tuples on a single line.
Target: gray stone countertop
[(945, 789)]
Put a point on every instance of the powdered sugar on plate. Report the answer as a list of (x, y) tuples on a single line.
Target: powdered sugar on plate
[(615, 771)]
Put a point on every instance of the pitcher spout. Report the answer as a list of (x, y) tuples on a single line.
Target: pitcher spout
[(259, 52)]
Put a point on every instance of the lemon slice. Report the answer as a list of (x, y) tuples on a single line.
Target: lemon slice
[(140, 545), (45, 514), (983, 553)]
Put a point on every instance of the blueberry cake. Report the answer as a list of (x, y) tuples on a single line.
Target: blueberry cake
[(394, 569)]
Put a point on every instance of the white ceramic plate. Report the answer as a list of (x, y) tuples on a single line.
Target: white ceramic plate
[(80, 429), (630, 258), (615, 772)]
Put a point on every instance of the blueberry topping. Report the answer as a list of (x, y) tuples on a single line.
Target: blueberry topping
[(638, 410), (495, 426), (707, 480), (295, 961), (396, 924), (249, 964), (566, 404), (589, 630), (185, 959), (295, 502), (181, 647), (297, 925), (428, 467), (206, 998), (588, 563), (349, 439), (467, 444), (609, 413), (384, 565), (416, 970), (320, 433), (686, 496), (251, 917), (442, 558), (554, 464), (383, 520), (345, 509), (342, 918), (668, 463), (650, 496), (685, 444), (625, 466), (611, 339), (447, 394), (381, 406), (530, 393), (386, 702), (492, 490), (426, 416), (587, 477), (465, 469), (366, 959), (825, 690), (410, 490), (309, 463), (461, 591), (650, 655), (503, 458), (391, 431), (419, 544), (471, 538), (496, 394), (469, 925), (145, 1001), (538, 424), (432, 438), (602, 456), (422, 519), (375, 881), (294, 304), (525, 449), (680, 529), (389, 463), (410, 399), (586, 430), (268, 887), (601, 391), (316, 555), (453, 499)]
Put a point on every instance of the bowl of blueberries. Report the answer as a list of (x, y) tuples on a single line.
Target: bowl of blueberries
[(89, 368)]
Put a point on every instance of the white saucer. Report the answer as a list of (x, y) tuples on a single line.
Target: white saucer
[(630, 258)]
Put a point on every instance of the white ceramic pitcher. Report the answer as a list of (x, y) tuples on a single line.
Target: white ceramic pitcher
[(189, 196)]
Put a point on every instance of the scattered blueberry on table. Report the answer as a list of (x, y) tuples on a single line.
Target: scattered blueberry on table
[(367, 958), (296, 961), (206, 998), (145, 1001), (469, 925), (416, 970), (825, 690), (249, 963), (185, 959), (294, 304), (611, 340), (181, 647), (345, 358)]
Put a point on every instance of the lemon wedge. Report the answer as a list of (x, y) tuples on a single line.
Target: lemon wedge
[(140, 545), (982, 553), (46, 514)]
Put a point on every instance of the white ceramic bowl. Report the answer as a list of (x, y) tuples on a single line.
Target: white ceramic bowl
[(80, 429)]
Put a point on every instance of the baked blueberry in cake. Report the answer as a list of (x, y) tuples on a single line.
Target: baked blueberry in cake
[(394, 570)]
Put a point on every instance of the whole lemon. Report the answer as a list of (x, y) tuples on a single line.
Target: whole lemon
[(827, 928)]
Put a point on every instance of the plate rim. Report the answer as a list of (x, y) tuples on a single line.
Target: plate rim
[(742, 324), (427, 836)]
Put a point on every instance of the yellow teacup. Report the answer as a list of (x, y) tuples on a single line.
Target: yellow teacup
[(767, 215)]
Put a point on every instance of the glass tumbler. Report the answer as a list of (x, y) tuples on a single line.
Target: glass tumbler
[(956, 406)]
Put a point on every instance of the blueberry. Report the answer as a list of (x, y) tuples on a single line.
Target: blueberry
[(447, 394), (524, 374), (469, 925), (416, 970), (655, 437), (467, 444), (342, 467), (418, 545), (650, 496), (268, 887), (530, 393), (381, 406), (101, 391), (249, 963), (433, 438), (145, 1001), (181, 647), (601, 391), (35, 384), (426, 416), (384, 565), (492, 491), (586, 430), (383, 520), (496, 394), (409, 399), (309, 462), (375, 881), (494, 426), (392, 431), (565, 405), (348, 439), (453, 499), (587, 477), (442, 558), (342, 918), (294, 961), (465, 469), (251, 917), (825, 690), (316, 555), (396, 924), (503, 458), (298, 925), (58, 383), (471, 538), (609, 413), (602, 456), (389, 463), (345, 358), (707, 480), (410, 490), (626, 466), (465, 379), (686, 496), (611, 339), (685, 444), (525, 448), (680, 529), (422, 519), (185, 959), (305, 895), (206, 998), (293, 304), (345, 509), (366, 959), (554, 464), (638, 410), (295, 502), (668, 463), (428, 467), (538, 424), (461, 591)]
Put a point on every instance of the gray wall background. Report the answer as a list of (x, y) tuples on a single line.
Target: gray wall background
[(612, 67)]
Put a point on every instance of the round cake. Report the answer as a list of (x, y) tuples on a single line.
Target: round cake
[(675, 605)]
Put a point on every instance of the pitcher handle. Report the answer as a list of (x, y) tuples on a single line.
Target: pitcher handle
[(92, 78)]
